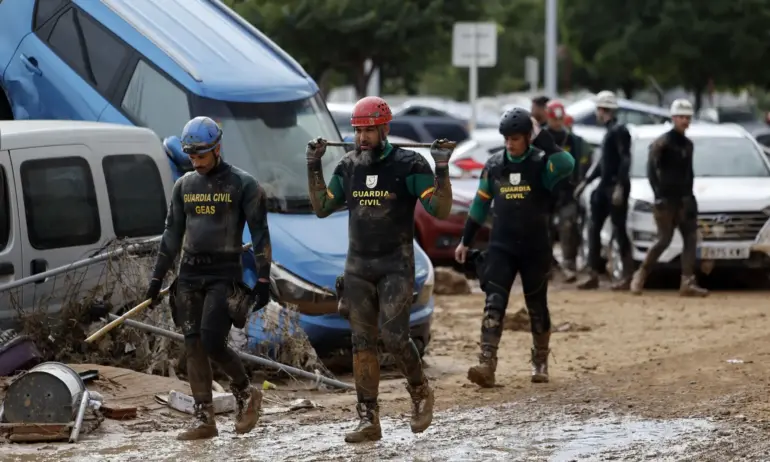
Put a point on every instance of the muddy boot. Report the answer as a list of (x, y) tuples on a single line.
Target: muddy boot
[(483, 374), (540, 353), (689, 288), (569, 270), (204, 427), (591, 283), (249, 402), (422, 406), (637, 282), (368, 428)]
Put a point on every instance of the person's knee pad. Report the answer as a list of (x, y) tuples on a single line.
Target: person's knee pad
[(495, 303)]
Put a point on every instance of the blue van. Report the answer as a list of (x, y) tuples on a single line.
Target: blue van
[(159, 63)]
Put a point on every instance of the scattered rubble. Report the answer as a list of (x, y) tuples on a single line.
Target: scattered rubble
[(450, 282), (519, 321)]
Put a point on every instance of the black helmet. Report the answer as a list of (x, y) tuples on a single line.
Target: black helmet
[(516, 121)]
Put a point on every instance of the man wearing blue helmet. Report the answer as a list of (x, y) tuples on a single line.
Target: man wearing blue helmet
[(209, 208)]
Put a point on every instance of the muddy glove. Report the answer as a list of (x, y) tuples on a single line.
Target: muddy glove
[(579, 190), (262, 294), (315, 150), (153, 292), (617, 196), (440, 153)]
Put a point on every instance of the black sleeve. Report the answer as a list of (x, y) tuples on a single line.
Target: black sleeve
[(545, 142)]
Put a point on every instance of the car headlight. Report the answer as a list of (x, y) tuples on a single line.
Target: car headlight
[(291, 288), (426, 292), (642, 206)]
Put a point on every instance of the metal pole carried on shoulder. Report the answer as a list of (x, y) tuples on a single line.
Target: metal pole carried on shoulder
[(444, 145)]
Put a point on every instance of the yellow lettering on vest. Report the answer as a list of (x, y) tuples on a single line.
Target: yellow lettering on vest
[(222, 197), (369, 202), (514, 196), (371, 193), (205, 210)]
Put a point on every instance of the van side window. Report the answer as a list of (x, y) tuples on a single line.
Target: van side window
[(155, 102), (45, 10), (5, 211), (136, 211), (60, 203), (92, 52)]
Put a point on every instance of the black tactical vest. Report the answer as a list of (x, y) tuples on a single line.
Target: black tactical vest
[(521, 203)]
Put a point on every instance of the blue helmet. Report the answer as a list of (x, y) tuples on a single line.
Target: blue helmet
[(201, 135)]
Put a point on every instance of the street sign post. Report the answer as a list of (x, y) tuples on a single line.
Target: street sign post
[(474, 45)]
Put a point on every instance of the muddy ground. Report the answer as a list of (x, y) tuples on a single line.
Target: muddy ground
[(655, 377)]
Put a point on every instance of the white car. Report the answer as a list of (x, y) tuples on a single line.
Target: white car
[(732, 188), (469, 156)]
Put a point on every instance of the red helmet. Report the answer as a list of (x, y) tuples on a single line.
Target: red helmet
[(568, 120), (555, 110), (370, 111)]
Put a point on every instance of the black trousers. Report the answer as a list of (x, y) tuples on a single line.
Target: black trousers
[(202, 313), (500, 270), (601, 209), (378, 293)]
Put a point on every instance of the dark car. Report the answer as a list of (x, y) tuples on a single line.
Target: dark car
[(428, 129)]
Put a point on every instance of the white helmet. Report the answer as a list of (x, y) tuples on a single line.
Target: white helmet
[(606, 100), (681, 107)]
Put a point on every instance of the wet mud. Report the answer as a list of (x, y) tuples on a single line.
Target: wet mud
[(656, 377)]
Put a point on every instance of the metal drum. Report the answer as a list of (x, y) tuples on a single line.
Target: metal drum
[(48, 393)]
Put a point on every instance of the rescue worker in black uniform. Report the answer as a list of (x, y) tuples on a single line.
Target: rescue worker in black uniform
[(566, 205), (380, 185), (610, 198), (671, 176), (518, 184), (208, 210)]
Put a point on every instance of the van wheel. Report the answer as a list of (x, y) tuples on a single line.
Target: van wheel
[(5, 107)]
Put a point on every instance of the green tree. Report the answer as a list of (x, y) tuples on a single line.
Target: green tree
[(693, 42), (597, 35), (328, 36)]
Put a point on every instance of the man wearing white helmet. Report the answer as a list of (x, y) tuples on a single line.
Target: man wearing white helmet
[(669, 169), (610, 198)]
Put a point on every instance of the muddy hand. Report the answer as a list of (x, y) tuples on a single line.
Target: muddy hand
[(440, 152), (461, 253), (315, 149)]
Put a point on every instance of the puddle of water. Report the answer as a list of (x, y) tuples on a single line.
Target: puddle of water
[(504, 433)]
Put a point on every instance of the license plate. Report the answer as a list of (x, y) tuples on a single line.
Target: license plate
[(724, 253)]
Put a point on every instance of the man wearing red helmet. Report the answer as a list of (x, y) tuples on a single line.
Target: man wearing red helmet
[(566, 206), (380, 185)]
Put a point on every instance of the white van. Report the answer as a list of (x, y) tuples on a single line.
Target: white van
[(68, 188)]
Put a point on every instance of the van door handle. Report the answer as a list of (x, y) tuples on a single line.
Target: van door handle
[(7, 269), (31, 64), (38, 266)]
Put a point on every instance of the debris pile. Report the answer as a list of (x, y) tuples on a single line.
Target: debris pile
[(450, 282)]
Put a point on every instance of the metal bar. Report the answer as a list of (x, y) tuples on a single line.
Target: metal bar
[(79, 264), (448, 145), (245, 356), (79, 418)]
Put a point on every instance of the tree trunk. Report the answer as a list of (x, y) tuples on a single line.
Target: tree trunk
[(361, 78)]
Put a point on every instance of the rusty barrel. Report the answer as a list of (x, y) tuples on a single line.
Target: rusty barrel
[(48, 393)]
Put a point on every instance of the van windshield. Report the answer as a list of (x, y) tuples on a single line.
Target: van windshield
[(269, 140)]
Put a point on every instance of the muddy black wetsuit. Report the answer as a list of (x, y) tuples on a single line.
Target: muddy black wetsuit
[(613, 169), (205, 221), (381, 195), (520, 192), (566, 205), (671, 176)]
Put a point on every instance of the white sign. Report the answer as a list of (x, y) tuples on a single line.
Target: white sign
[(474, 43), (724, 253)]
